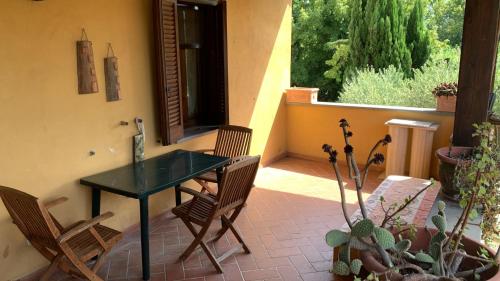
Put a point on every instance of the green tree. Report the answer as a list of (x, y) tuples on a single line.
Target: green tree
[(315, 24), (417, 36), (339, 61), (377, 35), (357, 34), (446, 18)]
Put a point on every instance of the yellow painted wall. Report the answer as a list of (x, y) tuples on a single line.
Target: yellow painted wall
[(48, 129), (311, 126)]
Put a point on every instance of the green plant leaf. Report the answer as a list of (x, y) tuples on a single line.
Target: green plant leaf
[(345, 253), (385, 239), (403, 245), (441, 206), (335, 238), (363, 228), (439, 222), (356, 266), (358, 245), (423, 257), (409, 255), (341, 268)]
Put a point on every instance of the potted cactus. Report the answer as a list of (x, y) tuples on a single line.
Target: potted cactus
[(384, 252), (446, 96)]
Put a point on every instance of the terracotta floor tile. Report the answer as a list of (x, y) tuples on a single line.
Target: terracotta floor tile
[(294, 204), (260, 274)]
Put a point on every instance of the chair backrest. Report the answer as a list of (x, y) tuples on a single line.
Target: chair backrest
[(32, 218), (236, 183), (233, 141)]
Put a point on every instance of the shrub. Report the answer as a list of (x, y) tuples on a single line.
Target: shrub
[(390, 87)]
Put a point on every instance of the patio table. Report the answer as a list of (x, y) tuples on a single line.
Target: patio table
[(140, 180)]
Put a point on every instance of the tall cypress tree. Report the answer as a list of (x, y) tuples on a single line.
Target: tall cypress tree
[(357, 35), (417, 36), (383, 24)]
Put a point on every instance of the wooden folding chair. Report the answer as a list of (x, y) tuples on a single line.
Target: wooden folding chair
[(232, 141), (71, 248), (203, 209)]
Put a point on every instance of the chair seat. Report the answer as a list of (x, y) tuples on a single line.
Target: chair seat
[(198, 211), (208, 176), (86, 246)]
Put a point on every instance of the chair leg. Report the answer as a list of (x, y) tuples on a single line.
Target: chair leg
[(52, 268), (236, 233), (225, 226), (83, 269), (198, 240), (99, 261), (198, 236), (211, 256)]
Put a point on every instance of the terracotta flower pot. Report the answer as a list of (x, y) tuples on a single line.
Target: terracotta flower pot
[(421, 241), (448, 162), (446, 103)]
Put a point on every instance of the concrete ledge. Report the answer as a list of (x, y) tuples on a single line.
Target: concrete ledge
[(372, 106)]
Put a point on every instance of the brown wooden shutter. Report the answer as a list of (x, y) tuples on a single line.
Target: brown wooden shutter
[(169, 100)]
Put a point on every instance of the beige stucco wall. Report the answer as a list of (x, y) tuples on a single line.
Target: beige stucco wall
[(311, 126), (48, 129)]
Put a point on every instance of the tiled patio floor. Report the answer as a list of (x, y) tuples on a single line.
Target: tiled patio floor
[(294, 204)]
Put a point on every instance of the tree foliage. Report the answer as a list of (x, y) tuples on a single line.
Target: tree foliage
[(446, 19), (315, 24), (377, 33), (417, 36)]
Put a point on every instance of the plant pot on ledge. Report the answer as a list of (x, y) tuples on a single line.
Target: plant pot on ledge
[(302, 95), (446, 97), (447, 163)]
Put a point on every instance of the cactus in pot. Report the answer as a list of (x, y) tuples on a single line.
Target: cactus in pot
[(397, 256)]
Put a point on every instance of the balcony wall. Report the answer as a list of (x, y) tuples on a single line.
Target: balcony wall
[(309, 126), (48, 129)]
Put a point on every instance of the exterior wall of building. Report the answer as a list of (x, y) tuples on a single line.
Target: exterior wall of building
[(48, 129)]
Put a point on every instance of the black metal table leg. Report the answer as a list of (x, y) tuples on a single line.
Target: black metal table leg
[(178, 199), (96, 202), (143, 203)]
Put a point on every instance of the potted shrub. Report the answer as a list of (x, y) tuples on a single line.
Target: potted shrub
[(449, 157), (377, 252), (446, 96)]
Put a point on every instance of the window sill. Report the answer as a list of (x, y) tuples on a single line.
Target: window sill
[(195, 132)]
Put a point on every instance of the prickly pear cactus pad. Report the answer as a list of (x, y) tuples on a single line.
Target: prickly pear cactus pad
[(336, 238), (403, 245), (356, 266), (341, 268), (384, 238), (363, 228), (423, 257), (439, 222)]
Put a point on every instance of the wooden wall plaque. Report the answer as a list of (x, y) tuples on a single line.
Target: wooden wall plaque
[(87, 79), (111, 76)]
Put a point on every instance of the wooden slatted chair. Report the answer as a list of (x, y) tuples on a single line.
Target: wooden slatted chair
[(71, 248), (235, 186), (232, 141)]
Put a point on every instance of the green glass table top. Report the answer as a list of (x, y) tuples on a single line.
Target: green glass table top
[(156, 174)]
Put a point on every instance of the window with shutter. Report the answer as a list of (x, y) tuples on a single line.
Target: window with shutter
[(192, 67), (169, 89)]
